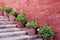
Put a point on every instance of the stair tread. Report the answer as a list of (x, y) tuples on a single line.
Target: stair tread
[(3, 17), (8, 31), (8, 25), (19, 37), (11, 30), (10, 34), (7, 22)]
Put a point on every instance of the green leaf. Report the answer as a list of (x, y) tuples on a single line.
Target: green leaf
[(14, 13), (21, 17), (46, 32), (31, 25), (7, 9)]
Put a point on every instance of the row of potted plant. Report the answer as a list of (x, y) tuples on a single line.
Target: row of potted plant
[(9, 13), (6, 10), (46, 32)]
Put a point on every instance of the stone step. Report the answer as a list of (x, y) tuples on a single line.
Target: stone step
[(9, 30), (8, 26), (20, 37), (3, 17), (7, 22), (12, 30), (11, 34)]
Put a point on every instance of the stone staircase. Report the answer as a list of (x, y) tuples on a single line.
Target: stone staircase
[(8, 31)]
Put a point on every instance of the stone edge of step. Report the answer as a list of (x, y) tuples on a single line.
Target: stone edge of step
[(11, 34), (12, 29), (22, 37)]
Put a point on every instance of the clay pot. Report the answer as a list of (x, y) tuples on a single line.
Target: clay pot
[(49, 38), (1, 13), (20, 25), (5, 14), (11, 18), (31, 31)]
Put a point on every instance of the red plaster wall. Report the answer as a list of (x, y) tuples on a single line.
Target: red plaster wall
[(41, 11), (1, 5)]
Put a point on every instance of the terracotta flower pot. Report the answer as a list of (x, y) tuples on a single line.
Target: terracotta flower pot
[(1, 13), (31, 31), (20, 25), (49, 38), (11, 18), (5, 14)]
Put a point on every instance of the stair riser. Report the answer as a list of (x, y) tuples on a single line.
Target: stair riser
[(8, 26), (4, 27), (21, 38), (3, 18), (6, 23), (9, 31), (12, 35)]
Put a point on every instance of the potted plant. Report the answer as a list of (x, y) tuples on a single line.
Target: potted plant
[(31, 27), (12, 16), (20, 20), (1, 11), (6, 10), (46, 33)]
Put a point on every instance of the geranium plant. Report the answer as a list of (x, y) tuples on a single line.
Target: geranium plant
[(46, 32), (21, 17), (7, 9), (31, 25), (21, 20), (13, 13)]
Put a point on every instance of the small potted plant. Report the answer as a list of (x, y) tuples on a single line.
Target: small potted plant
[(12, 15), (31, 27), (46, 33), (7, 10), (1, 11), (20, 20)]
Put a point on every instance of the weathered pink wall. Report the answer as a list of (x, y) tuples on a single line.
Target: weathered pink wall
[(41, 11), (1, 5)]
